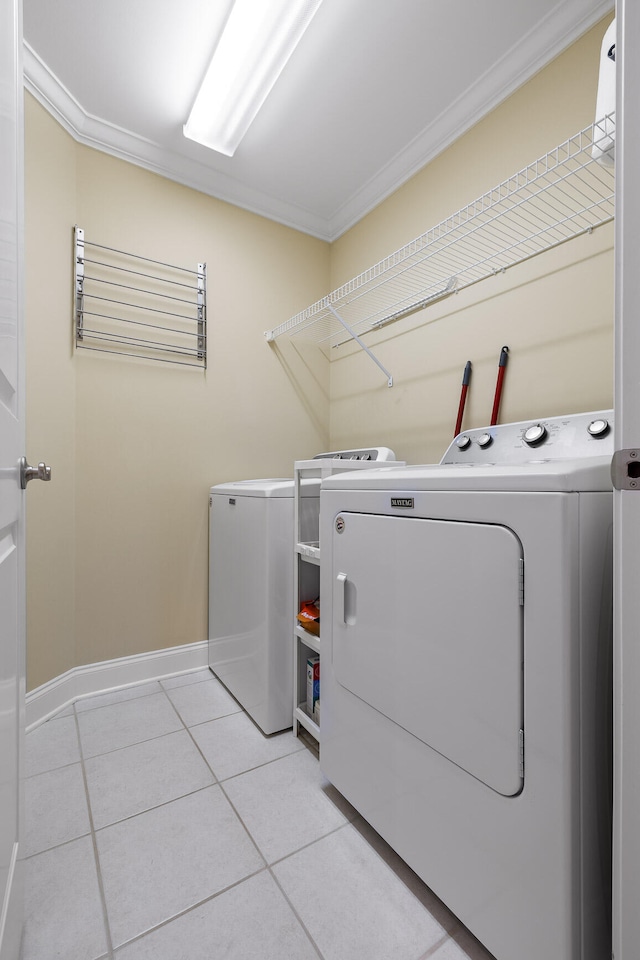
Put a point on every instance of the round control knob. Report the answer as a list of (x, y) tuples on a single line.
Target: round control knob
[(463, 441), (535, 434), (485, 440), (598, 428)]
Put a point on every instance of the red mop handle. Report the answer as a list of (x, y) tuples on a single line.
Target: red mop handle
[(502, 363), (466, 376)]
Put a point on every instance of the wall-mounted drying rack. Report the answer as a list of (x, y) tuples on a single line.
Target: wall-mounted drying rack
[(562, 195), (133, 306)]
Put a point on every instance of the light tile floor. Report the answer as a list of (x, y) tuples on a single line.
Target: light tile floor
[(162, 825)]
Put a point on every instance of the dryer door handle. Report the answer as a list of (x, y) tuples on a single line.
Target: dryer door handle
[(342, 589), (346, 600)]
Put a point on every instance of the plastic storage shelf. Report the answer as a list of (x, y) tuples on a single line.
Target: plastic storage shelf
[(306, 567)]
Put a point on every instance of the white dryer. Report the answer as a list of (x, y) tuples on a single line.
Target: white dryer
[(465, 675), (251, 587)]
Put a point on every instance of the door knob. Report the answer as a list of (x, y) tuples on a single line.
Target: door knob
[(41, 472)]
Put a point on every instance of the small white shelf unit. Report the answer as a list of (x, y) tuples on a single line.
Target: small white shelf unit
[(562, 195), (306, 573)]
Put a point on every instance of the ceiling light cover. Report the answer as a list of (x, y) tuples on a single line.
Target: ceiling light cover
[(256, 43)]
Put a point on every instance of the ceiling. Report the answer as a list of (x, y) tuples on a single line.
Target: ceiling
[(375, 89)]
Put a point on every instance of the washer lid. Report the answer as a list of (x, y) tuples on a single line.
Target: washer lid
[(582, 474), (275, 487)]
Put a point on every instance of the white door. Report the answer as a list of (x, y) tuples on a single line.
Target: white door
[(428, 630), (626, 816), (12, 619)]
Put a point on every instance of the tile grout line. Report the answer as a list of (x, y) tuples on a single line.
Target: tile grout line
[(101, 706), (267, 865), (305, 846), (56, 846), (184, 728), (178, 686), (93, 830), (267, 868), (106, 753), (124, 746), (157, 806), (218, 783), (258, 766), (189, 909), (94, 842), (295, 912), (435, 947), (165, 803), (247, 831), (131, 686), (270, 871), (161, 736)]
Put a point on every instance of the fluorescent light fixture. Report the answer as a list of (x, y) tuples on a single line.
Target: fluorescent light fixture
[(258, 39)]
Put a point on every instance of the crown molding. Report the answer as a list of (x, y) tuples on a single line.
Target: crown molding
[(91, 131), (537, 49), (556, 32)]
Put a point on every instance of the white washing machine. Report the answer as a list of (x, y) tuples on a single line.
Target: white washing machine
[(251, 587), (465, 675)]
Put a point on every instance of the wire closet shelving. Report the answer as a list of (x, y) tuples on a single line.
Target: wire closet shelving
[(133, 306), (567, 192)]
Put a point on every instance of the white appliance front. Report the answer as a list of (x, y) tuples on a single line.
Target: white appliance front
[(251, 560), (465, 668), (251, 594), (457, 687)]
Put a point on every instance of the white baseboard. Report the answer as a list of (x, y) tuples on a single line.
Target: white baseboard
[(109, 675)]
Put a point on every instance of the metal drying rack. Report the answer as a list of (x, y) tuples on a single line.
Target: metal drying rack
[(562, 195), (167, 307)]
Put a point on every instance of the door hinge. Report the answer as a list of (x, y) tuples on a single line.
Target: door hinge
[(521, 583), (521, 743), (625, 469)]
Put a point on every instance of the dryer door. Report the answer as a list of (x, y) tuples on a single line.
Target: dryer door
[(428, 630)]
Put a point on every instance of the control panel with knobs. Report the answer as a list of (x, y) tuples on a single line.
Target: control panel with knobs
[(378, 454), (557, 438)]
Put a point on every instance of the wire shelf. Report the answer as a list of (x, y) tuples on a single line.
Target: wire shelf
[(567, 192), (130, 305)]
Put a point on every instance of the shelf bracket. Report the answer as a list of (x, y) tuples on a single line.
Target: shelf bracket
[(366, 349)]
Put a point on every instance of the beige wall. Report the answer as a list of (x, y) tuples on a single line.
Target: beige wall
[(117, 543), (555, 313), (117, 549)]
